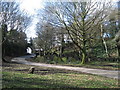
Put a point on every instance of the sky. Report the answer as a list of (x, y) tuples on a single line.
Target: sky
[(31, 7)]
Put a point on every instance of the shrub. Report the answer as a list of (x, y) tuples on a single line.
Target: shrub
[(64, 59)]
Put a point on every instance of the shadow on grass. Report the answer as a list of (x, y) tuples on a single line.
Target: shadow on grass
[(59, 81), (19, 82), (9, 64), (52, 71)]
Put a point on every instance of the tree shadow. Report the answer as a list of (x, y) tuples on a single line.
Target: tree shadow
[(18, 82)]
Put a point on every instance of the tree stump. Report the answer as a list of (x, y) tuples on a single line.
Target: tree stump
[(31, 70)]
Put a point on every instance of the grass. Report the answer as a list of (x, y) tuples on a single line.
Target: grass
[(99, 65), (16, 76), (67, 80)]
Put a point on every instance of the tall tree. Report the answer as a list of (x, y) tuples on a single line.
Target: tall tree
[(13, 23), (45, 36), (81, 20), (117, 36)]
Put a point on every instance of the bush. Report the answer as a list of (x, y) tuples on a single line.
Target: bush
[(64, 59), (56, 59), (39, 59)]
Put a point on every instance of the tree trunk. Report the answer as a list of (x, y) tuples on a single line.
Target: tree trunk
[(118, 48), (84, 53), (62, 45), (83, 58), (104, 42)]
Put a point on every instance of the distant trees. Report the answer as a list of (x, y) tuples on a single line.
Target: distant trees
[(13, 42), (117, 39), (111, 28), (13, 24), (15, 46), (45, 37), (117, 36)]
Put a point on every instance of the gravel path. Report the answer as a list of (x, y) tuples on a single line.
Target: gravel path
[(106, 73)]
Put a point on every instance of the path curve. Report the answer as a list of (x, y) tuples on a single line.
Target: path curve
[(106, 73)]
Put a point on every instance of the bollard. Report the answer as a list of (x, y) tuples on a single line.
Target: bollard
[(31, 70)]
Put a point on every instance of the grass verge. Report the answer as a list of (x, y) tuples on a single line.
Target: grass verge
[(92, 64)]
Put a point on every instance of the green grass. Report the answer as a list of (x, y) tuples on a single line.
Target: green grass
[(16, 76), (69, 80)]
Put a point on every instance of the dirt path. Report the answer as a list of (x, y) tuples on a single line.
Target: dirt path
[(106, 73)]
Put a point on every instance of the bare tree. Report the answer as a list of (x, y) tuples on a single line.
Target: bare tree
[(13, 22), (81, 20), (11, 15), (45, 37)]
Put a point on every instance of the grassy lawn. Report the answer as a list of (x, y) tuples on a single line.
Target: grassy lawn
[(16, 76)]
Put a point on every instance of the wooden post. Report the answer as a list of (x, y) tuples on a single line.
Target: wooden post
[(31, 70)]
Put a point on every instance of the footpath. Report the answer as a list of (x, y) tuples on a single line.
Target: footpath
[(106, 73)]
